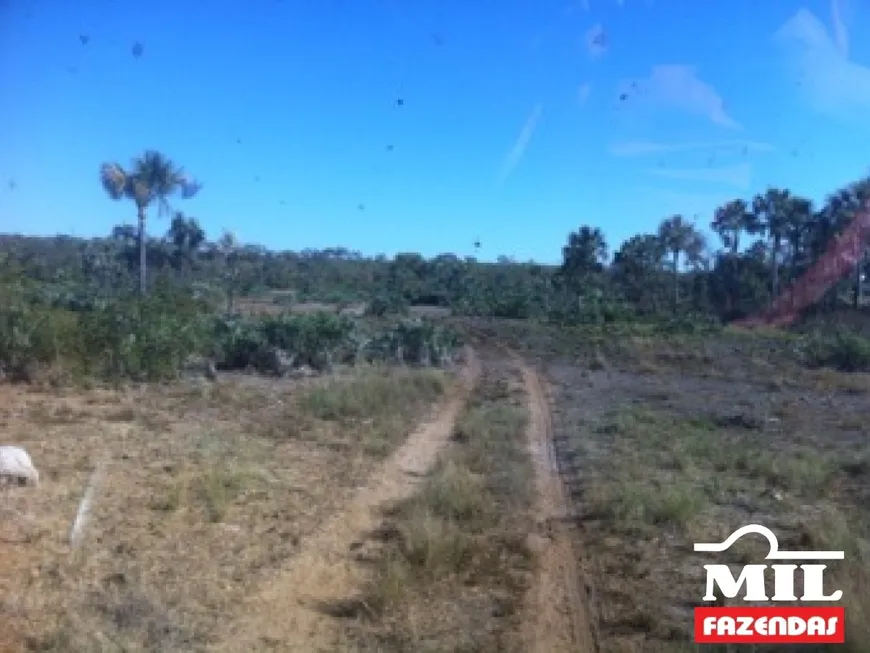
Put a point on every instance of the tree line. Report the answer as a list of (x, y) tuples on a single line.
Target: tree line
[(765, 242)]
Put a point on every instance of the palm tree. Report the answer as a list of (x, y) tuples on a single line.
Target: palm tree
[(637, 270), (187, 237), (584, 254), (678, 236), (842, 207), (583, 257), (772, 211), (151, 178), (799, 213), (730, 221)]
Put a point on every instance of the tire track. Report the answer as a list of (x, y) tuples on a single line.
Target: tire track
[(285, 615), (558, 615)]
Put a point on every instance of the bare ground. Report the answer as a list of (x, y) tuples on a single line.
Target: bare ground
[(291, 611), (209, 488), (557, 611), (481, 558)]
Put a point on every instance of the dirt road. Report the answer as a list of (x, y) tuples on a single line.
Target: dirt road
[(284, 615), (558, 617)]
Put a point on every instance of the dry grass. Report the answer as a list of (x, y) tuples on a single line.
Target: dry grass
[(209, 488), (451, 564), (673, 499), (665, 441), (374, 406), (664, 458)]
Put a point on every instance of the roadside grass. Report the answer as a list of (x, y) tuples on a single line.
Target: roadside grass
[(209, 488), (677, 438), (451, 564), (374, 404), (669, 480)]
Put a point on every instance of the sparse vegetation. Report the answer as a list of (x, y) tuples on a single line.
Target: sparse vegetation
[(840, 349), (684, 440), (451, 563), (209, 489), (671, 427)]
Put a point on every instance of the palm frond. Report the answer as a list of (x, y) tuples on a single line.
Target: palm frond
[(189, 186), (157, 172), (140, 191), (163, 205), (156, 178), (114, 180), (163, 178), (152, 178)]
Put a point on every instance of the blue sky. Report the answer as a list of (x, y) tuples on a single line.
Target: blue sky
[(517, 124)]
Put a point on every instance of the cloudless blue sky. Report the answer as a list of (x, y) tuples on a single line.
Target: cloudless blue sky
[(285, 110)]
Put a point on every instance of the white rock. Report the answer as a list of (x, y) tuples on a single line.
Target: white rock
[(15, 463)]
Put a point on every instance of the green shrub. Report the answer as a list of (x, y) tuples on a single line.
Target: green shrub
[(415, 341), (151, 338), (313, 339), (148, 338), (841, 349), (382, 305)]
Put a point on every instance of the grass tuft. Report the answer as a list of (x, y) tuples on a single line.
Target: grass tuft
[(452, 571)]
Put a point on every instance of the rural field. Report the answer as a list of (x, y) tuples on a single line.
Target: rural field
[(431, 327), (242, 450), (667, 441), (385, 508), (379, 508), (203, 491)]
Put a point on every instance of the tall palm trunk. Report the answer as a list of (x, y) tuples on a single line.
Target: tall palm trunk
[(143, 258), (735, 241)]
